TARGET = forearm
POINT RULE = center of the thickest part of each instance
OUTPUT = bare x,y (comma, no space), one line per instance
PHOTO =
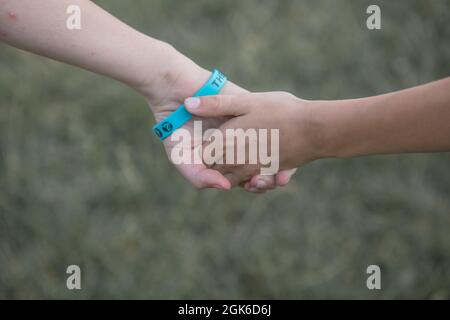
103,45
107,46
412,120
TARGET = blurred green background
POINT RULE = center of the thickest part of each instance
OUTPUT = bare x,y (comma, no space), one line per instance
83,180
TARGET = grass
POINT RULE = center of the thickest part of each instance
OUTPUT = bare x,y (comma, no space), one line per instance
83,181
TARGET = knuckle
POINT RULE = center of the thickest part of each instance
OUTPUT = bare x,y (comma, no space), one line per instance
216,102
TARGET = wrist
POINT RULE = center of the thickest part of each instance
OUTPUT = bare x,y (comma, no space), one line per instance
175,80
168,82
338,133
321,129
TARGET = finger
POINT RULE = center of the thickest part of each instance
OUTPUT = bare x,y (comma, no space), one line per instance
211,157
220,105
236,175
266,182
283,177
251,189
210,178
233,179
246,185
202,178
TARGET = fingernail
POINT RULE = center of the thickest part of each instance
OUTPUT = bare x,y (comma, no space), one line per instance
192,103
261,184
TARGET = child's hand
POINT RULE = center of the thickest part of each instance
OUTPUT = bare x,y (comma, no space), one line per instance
278,110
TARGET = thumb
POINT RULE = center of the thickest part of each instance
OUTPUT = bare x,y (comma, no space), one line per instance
216,106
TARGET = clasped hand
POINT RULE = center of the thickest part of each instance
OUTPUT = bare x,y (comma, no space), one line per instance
282,112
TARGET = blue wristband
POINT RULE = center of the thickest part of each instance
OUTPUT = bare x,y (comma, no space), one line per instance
178,118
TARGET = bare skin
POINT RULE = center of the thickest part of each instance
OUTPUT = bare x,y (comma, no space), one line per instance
107,46
414,120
